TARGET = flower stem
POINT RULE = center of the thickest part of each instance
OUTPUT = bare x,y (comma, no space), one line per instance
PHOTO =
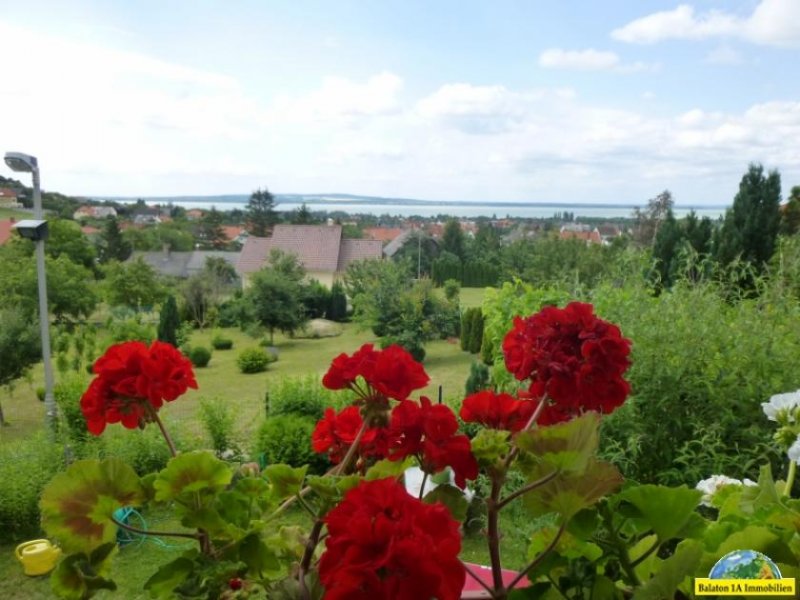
526,488
787,490
308,554
154,415
136,530
531,422
539,558
422,486
493,521
351,452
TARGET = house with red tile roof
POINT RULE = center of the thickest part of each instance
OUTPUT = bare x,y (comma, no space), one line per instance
321,250
384,234
576,231
8,198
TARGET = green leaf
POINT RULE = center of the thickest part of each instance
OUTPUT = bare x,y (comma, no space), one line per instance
209,519
569,493
604,589
490,445
762,495
77,504
168,577
663,509
190,474
452,497
258,557
567,545
388,468
80,577
672,572
286,481
566,446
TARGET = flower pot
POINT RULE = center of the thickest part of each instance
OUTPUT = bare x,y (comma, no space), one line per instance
473,590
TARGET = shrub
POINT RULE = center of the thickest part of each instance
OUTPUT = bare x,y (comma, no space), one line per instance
300,396
145,450
475,332
452,288
200,356
26,466
67,393
221,343
337,307
218,421
129,329
316,299
168,322
287,439
253,360
478,378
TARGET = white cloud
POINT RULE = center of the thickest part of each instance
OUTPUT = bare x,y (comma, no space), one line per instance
588,60
772,22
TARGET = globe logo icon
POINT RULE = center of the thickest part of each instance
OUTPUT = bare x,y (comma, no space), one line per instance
745,564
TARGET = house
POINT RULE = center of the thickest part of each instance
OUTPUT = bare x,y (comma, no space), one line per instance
235,233
321,250
384,234
6,229
578,231
194,214
146,219
182,264
608,231
394,246
8,198
94,212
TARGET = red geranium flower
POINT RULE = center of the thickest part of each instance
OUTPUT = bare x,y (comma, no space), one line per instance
384,544
572,358
429,431
335,433
132,379
497,411
388,373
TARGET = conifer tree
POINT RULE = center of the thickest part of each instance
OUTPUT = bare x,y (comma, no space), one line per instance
168,322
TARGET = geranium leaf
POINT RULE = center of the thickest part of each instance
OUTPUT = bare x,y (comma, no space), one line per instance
388,468
190,474
258,557
209,519
671,572
452,497
604,589
569,493
77,504
81,576
164,581
665,510
286,481
566,446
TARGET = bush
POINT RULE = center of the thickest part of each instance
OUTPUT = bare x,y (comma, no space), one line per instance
221,343
218,421
452,288
26,466
287,439
200,356
478,378
253,360
316,299
145,451
129,329
300,396
337,307
67,393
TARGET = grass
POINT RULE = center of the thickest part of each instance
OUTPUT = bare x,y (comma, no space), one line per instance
7,213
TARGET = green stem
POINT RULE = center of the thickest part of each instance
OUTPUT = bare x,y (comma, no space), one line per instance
493,522
526,488
136,530
156,419
787,490
422,486
531,422
539,558
619,545
308,554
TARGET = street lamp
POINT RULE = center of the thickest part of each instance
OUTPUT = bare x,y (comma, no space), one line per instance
37,230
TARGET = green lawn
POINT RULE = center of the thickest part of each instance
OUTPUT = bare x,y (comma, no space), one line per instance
7,213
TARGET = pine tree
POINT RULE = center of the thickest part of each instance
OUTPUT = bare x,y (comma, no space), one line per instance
302,216
168,322
453,238
476,331
667,243
211,229
790,216
751,224
466,329
337,309
260,213
112,245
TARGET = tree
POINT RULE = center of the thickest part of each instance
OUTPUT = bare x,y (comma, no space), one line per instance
337,308
169,321
112,245
751,224
260,212
699,233
287,264
666,245
790,216
134,284
65,238
211,230
647,220
276,301
19,346
453,238
302,216
204,291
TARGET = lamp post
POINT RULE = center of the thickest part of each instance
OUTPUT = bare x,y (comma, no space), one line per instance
24,163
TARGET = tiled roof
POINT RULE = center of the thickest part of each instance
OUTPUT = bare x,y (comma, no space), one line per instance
197,261
172,264
232,231
397,243
353,250
384,234
254,252
8,193
5,230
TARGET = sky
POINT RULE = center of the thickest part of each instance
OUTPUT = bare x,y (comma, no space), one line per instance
540,101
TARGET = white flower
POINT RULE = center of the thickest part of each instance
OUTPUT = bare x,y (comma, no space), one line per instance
711,486
779,402
794,451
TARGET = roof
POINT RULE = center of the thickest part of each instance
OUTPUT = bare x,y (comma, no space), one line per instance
351,251
397,243
317,247
5,230
8,193
89,230
232,231
182,264
384,234
587,236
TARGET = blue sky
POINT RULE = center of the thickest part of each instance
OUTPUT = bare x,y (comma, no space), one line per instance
569,101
